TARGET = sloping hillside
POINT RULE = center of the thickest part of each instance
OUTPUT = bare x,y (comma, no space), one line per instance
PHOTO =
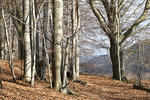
98,88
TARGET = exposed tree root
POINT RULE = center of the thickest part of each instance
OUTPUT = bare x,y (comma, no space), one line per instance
81,82
67,90
124,79
141,87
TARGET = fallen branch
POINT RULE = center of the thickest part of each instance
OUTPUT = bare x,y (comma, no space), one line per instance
141,87
81,82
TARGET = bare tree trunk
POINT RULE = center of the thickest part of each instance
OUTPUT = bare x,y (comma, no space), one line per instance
75,28
47,60
28,59
66,58
77,60
114,49
73,70
33,41
1,34
45,32
37,55
58,34
0,39
122,67
8,38
20,46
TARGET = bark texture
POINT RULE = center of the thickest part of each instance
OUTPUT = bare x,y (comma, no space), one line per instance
57,39
28,59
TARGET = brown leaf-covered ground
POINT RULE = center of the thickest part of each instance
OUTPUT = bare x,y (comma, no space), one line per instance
98,88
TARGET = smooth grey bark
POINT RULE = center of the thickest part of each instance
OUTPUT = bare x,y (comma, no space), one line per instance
9,46
33,21
122,67
66,63
75,29
77,60
28,59
73,70
57,39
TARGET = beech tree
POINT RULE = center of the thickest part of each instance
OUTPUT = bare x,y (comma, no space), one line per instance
110,23
75,29
57,39
27,40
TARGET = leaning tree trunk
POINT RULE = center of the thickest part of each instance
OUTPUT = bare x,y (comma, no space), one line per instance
57,39
28,59
115,58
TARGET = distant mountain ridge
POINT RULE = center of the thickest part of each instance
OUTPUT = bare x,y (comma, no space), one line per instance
102,64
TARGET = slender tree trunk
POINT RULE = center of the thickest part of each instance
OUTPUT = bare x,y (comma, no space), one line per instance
122,68
66,58
57,39
77,60
73,70
75,28
8,38
37,54
45,32
33,40
0,39
47,60
28,59
1,33
20,46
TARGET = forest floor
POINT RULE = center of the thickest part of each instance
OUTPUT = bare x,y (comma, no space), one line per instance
97,88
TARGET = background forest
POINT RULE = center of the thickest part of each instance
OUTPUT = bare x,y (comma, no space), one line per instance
92,49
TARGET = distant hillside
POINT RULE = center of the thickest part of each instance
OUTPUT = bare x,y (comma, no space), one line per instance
135,56
97,65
